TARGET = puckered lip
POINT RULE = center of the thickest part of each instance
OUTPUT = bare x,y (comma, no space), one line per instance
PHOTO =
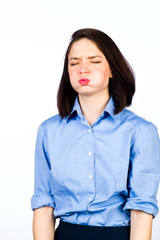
84,80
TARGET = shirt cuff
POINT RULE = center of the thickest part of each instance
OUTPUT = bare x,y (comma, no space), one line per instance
148,205
42,201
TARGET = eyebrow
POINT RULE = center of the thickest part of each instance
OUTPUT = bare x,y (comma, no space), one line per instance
90,57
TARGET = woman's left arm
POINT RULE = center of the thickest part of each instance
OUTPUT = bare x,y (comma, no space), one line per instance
143,181
141,225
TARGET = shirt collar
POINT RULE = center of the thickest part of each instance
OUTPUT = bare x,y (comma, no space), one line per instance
108,109
76,107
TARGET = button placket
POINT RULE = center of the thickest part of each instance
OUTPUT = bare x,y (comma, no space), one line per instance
91,183
89,153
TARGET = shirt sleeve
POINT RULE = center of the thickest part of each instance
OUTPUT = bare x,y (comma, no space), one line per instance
42,190
144,173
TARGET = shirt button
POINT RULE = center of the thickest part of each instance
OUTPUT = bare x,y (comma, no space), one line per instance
89,130
90,153
90,199
90,176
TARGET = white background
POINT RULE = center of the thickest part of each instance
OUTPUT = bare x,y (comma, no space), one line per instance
33,39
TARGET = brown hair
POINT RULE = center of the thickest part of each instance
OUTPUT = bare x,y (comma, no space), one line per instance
122,84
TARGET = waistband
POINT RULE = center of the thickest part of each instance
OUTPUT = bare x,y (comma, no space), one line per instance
74,225
69,231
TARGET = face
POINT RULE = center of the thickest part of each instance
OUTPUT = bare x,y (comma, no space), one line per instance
88,69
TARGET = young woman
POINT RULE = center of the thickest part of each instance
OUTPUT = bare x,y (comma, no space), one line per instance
97,164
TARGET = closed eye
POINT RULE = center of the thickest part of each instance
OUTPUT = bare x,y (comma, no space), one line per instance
96,62
72,64
76,63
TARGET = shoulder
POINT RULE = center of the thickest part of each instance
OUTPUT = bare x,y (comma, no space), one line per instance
136,121
138,125
52,123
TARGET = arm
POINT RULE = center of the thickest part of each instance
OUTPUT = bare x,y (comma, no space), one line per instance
43,224
42,201
143,181
141,225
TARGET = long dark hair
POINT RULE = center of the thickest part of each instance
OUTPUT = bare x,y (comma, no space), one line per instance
122,84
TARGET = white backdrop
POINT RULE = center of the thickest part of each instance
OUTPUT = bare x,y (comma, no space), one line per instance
34,35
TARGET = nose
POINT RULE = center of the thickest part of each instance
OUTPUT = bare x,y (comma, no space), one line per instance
84,68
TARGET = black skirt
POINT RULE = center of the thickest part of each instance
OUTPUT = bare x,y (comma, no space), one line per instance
70,231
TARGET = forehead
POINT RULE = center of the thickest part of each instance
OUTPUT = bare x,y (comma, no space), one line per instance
84,46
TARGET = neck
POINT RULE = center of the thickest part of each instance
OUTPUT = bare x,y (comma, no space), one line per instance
92,106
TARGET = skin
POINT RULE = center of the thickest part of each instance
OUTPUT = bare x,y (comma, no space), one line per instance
43,224
141,225
85,60
93,99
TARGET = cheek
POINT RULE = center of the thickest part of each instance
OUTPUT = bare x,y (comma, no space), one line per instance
103,73
72,78
102,78
71,72
106,74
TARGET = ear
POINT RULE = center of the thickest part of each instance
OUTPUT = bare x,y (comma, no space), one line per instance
110,75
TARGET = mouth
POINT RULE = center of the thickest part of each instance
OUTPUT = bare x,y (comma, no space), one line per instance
84,81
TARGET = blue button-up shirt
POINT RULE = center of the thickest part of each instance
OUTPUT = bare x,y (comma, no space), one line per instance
94,175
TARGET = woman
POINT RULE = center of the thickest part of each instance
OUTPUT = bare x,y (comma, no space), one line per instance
97,164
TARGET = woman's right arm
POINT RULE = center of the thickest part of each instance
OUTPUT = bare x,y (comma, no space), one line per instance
43,223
